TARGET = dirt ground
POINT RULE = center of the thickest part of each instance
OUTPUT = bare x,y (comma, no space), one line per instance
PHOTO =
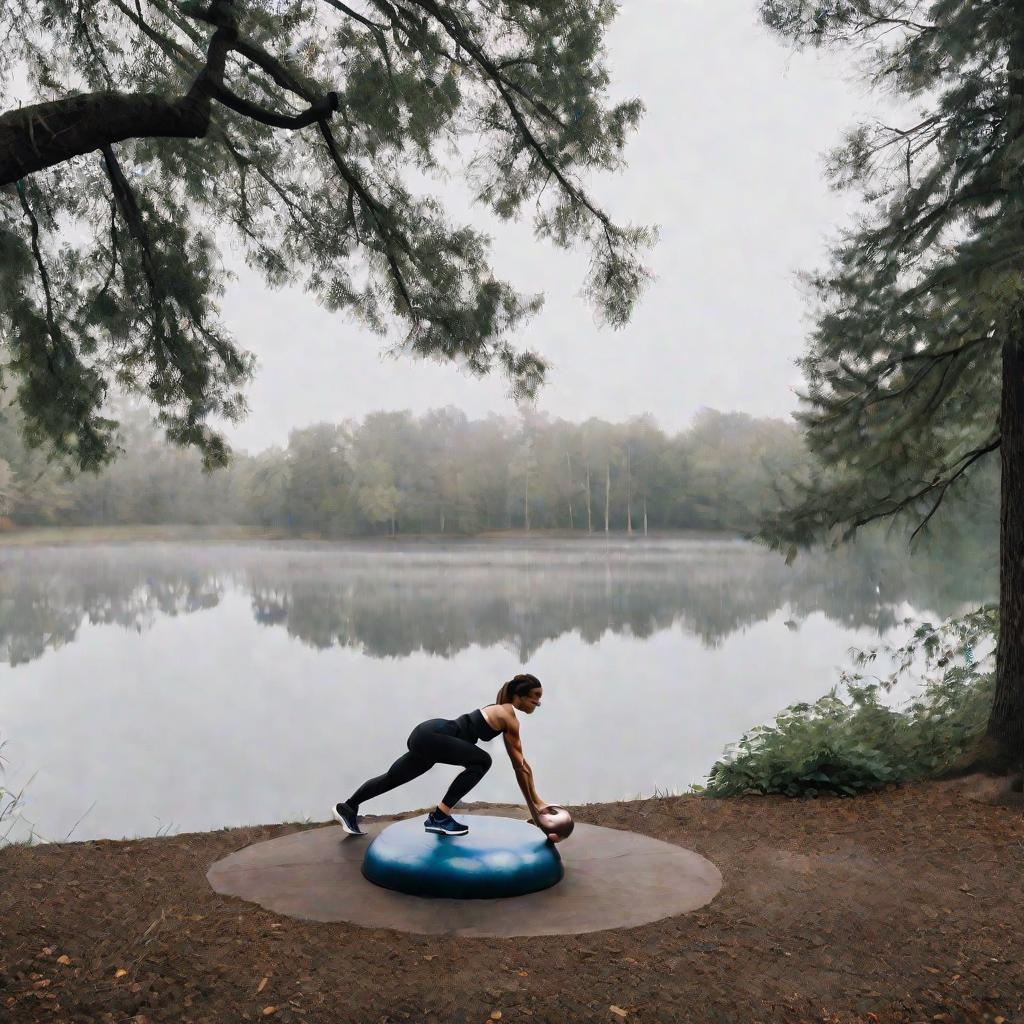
900,906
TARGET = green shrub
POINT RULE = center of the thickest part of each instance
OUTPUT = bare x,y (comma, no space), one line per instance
858,744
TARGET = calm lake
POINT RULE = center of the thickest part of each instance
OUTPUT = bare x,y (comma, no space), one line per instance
167,687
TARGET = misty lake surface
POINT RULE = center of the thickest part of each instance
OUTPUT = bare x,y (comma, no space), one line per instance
154,688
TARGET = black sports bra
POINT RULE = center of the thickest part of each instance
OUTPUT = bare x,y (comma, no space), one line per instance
472,726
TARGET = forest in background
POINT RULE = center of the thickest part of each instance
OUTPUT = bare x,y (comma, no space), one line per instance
437,473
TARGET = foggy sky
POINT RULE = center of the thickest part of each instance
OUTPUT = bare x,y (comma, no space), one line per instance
727,161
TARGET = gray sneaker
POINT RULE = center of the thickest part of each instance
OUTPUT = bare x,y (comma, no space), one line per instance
444,825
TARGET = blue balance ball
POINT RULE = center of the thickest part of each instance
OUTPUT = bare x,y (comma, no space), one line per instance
499,857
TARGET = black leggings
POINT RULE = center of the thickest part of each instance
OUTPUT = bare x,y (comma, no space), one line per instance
428,745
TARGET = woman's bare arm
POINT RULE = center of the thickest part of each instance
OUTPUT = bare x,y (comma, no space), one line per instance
524,774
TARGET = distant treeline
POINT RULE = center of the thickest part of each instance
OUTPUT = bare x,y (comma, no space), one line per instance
436,473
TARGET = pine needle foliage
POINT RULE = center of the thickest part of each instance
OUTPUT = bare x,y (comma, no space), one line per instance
854,745
902,369
292,129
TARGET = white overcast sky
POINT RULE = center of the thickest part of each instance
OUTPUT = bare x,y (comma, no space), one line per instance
727,161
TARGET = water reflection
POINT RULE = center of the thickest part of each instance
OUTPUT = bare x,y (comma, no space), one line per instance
395,600
199,686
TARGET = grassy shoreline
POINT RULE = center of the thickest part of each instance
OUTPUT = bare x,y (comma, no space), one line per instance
32,536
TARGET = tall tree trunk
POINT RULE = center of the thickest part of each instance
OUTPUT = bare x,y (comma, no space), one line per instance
590,521
526,503
1006,721
645,515
607,491
442,520
568,463
629,497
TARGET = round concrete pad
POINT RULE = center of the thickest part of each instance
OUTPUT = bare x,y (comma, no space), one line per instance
613,879
500,857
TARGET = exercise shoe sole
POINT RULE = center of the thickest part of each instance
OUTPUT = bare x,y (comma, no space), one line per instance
341,821
444,831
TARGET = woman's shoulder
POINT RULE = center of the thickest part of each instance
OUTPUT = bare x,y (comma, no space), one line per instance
501,714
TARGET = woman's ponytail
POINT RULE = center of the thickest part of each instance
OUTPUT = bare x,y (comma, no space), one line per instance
522,683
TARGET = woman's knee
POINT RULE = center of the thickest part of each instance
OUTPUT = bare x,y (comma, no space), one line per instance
482,762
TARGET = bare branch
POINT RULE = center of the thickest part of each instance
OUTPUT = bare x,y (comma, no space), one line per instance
319,111
129,207
945,485
376,213
44,277
939,482
45,134
356,16
872,383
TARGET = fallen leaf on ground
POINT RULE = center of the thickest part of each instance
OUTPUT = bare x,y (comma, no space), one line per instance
429,956
524,974
261,986
495,1014
64,959
618,1011
47,950
268,1010
120,972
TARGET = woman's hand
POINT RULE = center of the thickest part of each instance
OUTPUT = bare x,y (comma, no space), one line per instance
539,808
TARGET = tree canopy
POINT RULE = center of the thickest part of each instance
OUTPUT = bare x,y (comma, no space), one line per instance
162,128
902,368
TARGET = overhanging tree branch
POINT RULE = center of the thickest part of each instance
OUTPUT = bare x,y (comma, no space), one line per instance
940,482
158,70
377,215
44,278
45,134
458,33
318,111
946,483
129,208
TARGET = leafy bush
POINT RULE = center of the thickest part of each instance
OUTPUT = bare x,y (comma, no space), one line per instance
850,746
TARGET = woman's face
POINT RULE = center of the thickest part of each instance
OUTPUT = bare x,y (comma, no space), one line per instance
529,702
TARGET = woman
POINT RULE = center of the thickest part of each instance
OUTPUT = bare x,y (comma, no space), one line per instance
453,741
